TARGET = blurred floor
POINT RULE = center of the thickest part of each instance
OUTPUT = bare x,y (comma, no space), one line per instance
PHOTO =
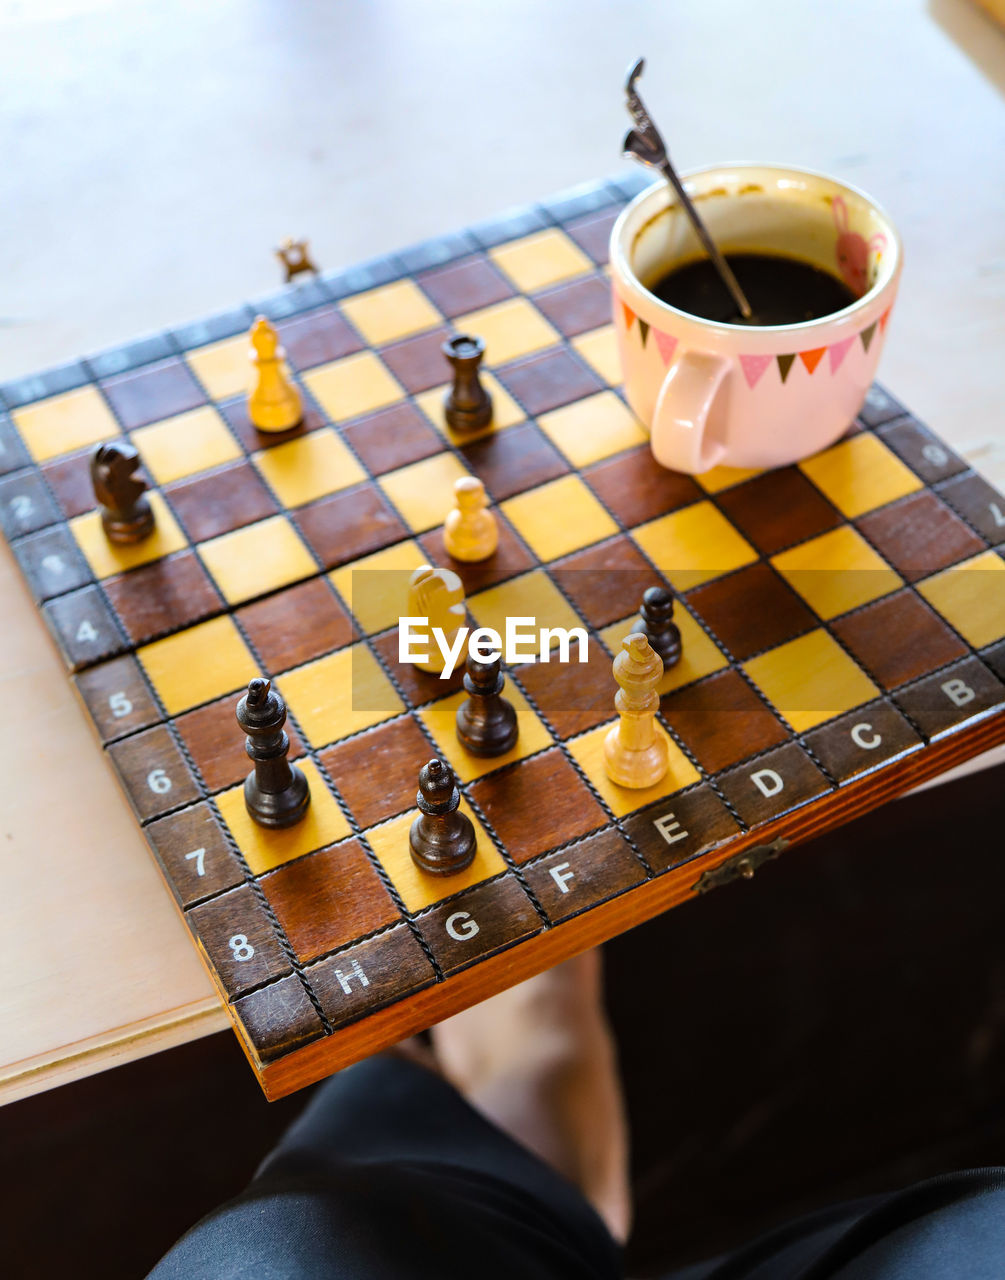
153,154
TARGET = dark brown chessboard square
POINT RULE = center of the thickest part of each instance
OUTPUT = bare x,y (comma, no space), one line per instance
509,558
221,501
118,698
577,307
163,596
919,535
593,233
978,502
465,286
478,923
155,392
392,438
879,406
952,696
512,461
722,721
546,381
236,414
195,854
607,581
216,744
13,454
376,771
537,804
752,610
296,625
898,639
349,524
779,509
863,739
84,627
583,874
995,658
418,363
154,773
677,829
418,687
572,697
370,975
25,504
635,488
52,563
239,939
773,784
329,899
69,479
926,455
318,338
279,1018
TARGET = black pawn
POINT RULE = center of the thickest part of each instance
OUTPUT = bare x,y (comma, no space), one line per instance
486,721
658,626
275,792
467,406
126,514
441,838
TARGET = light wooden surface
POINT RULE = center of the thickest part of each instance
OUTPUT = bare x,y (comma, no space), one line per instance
97,967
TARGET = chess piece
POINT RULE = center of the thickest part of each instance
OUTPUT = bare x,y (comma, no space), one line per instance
441,838
657,625
470,531
295,255
126,515
274,402
635,751
467,406
486,721
438,596
275,792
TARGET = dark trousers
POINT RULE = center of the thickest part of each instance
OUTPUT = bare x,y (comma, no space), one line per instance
390,1173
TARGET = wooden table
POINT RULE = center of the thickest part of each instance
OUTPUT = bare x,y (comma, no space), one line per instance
98,968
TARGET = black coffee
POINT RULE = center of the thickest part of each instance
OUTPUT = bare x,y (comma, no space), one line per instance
780,290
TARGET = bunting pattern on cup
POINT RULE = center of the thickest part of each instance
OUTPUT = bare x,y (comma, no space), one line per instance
754,367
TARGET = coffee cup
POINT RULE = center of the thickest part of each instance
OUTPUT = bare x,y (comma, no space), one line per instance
748,395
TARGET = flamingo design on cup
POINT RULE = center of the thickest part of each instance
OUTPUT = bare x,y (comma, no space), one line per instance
852,250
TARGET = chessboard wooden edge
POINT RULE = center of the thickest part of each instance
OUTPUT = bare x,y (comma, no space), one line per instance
598,924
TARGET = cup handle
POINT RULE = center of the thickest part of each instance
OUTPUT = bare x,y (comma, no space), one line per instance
680,420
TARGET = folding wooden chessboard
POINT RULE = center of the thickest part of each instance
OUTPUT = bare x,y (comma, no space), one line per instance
843,628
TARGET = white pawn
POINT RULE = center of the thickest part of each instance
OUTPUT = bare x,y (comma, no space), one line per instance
274,402
437,595
470,531
635,751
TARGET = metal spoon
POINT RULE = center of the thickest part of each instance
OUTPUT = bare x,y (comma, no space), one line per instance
645,143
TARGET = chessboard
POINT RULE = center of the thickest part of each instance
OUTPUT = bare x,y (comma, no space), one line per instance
843,627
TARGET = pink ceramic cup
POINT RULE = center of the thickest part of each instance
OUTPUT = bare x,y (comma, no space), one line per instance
744,396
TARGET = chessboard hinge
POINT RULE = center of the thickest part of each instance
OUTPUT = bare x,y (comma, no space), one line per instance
740,867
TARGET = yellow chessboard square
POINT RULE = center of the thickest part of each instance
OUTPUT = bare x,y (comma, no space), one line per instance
224,368
391,312
810,680
440,719
375,587
509,330
106,558
588,751
534,596
419,889
265,848
599,348
505,410
340,694
719,478
593,428
181,446
423,492
309,467
541,259
971,597
257,559
700,655
836,572
65,422
199,664
860,474
558,517
693,545
353,386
